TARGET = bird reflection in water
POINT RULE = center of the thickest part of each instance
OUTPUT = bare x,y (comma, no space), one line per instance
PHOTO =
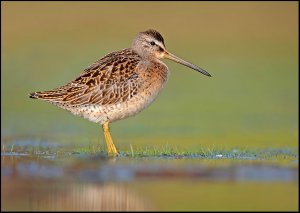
71,197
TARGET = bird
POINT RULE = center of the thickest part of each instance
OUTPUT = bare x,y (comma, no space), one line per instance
118,85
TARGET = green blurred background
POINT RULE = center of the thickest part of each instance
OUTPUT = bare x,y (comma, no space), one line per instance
250,48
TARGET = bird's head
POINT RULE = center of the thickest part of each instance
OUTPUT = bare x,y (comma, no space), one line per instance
150,44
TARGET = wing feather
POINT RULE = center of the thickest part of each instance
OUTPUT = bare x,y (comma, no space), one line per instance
112,79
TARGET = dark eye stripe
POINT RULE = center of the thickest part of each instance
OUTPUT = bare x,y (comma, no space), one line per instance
161,49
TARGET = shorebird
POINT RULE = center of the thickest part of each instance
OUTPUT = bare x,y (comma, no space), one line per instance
119,85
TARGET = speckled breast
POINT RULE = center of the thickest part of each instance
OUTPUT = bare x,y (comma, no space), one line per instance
152,79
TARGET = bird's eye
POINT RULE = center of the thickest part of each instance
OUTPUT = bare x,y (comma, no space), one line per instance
152,43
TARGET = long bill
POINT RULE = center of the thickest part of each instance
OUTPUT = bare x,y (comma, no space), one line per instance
185,63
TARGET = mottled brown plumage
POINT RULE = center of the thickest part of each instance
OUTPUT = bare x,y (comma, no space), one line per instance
118,85
110,80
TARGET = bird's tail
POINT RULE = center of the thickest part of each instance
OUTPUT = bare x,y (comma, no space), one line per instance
33,95
47,95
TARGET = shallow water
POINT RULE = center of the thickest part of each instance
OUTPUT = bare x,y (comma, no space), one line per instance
44,180
101,168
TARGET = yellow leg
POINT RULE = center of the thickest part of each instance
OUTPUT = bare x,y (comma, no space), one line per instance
111,149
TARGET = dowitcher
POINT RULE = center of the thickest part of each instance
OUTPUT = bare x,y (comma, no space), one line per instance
119,85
